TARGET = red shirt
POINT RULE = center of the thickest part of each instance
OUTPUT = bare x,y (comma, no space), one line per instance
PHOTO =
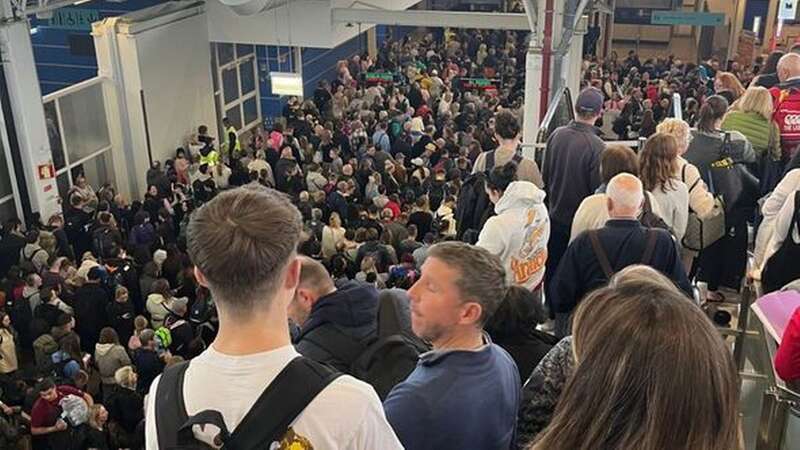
44,413
787,360
394,207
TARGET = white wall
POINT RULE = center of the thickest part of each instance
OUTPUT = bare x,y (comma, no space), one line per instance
301,23
167,61
175,69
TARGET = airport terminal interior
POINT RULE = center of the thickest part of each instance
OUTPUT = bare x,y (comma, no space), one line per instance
388,224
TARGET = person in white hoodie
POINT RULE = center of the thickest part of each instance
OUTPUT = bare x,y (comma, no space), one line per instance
519,232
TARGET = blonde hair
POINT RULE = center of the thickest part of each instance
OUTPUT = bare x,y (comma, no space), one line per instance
121,291
678,129
756,99
729,82
126,377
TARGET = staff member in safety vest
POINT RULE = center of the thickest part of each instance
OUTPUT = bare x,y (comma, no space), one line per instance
231,135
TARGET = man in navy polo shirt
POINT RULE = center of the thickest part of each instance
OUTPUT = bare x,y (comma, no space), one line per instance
466,392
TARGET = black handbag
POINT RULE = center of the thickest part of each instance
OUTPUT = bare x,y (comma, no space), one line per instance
732,180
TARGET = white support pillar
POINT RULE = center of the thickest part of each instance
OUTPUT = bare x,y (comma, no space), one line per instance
534,61
533,95
573,66
16,53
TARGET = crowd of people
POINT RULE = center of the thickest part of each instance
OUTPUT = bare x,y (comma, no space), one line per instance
385,269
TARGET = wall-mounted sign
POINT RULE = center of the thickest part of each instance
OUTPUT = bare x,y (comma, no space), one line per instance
286,83
46,171
700,19
787,10
74,18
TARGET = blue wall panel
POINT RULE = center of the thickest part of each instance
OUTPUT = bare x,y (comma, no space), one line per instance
64,54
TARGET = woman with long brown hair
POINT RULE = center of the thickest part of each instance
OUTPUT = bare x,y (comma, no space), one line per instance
658,162
668,380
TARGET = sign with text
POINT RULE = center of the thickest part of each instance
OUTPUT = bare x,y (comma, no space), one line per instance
787,10
480,84
74,18
379,78
700,19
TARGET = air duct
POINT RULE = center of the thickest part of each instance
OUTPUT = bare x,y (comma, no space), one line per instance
251,7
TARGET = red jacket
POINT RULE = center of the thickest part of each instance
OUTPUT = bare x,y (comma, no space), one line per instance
787,360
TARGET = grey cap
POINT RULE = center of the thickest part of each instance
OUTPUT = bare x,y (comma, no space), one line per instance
590,101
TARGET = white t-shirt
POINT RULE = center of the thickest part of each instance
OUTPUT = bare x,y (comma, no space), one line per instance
345,415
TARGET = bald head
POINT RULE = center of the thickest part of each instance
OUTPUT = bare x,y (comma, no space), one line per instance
625,196
789,66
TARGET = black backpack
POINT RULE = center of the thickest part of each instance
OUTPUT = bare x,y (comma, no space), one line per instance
103,243
266,423
385,360
474,207
782,268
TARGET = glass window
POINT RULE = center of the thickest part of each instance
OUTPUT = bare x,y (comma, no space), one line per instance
84,119
247,74
250,110
98,171
225,53
230,85
214,74
54,135
62,181
8,210
244,50
235,116
5,176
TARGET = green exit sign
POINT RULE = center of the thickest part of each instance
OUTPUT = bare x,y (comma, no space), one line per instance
74,18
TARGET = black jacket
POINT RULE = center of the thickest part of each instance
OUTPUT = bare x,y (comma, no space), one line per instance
148,367
624,241
126,407
571,169
10,246
526,349
120,318
90,314
352,309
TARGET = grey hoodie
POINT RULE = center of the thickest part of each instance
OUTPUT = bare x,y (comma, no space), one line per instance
109,358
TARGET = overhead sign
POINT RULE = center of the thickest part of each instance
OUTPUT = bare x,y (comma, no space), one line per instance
480,84
787,10
379,78
74,18
700,19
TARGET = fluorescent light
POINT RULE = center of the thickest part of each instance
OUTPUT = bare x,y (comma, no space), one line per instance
34,30
286,83
756,24
81,2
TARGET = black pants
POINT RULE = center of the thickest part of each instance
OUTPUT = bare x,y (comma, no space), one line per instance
556,247
724,262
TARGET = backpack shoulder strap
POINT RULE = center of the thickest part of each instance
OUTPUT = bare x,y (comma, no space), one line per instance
170,406
797,211
601,255
489,163
335,342
652,238
297,385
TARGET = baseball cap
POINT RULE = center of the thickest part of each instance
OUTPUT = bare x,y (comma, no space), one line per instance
590,101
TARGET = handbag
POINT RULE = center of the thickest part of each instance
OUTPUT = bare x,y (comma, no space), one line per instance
732,181
702,232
